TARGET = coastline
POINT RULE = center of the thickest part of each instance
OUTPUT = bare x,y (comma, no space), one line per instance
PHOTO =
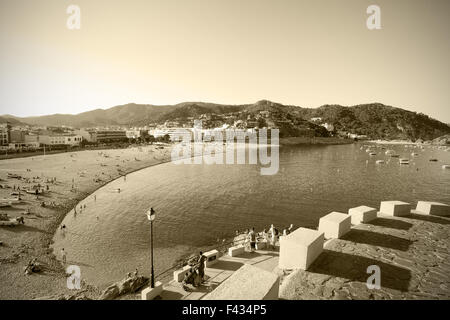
36,237
394,142
32,240
314,140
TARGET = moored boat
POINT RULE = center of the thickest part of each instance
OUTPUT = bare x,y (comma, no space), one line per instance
391,153
404,161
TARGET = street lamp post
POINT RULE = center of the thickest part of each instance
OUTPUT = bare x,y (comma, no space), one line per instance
151,217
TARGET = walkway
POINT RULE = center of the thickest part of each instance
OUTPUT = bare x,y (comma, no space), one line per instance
219,272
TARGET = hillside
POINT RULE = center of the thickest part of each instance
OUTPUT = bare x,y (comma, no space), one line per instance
380,121
12,120
375,120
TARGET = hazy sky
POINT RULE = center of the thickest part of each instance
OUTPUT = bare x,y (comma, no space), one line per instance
305,53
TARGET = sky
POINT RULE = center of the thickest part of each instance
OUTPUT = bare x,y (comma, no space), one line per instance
305,53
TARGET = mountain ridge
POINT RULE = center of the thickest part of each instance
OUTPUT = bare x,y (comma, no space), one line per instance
375,120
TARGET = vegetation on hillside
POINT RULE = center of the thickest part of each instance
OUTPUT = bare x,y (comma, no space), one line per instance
376,121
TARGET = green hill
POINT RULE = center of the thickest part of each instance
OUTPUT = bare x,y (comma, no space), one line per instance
376,120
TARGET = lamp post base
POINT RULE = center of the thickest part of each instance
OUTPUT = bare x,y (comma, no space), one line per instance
151,293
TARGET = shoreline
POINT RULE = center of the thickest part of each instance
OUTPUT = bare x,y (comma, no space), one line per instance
394,142
15,262
42,241
290,141
23,243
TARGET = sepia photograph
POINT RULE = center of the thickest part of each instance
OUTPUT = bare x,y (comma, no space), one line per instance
224,150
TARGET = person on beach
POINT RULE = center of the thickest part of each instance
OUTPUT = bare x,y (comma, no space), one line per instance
265,236
246,240
188,279
272,236
252,238
63,256
291,228
201,267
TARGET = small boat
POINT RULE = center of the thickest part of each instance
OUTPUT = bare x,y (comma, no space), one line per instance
414,154
404,161
379,161
446,166
395,156
433,160
372,154
14,176
390,153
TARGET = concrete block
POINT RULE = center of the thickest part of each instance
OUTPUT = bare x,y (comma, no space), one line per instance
395,208
178,275
433,208
235,251
335,224
211,257
247,283
151,293
299,249
362,214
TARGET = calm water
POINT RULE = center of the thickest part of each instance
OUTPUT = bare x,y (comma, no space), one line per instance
198,204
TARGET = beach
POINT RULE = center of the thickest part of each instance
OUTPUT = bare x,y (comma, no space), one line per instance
77,174
80,176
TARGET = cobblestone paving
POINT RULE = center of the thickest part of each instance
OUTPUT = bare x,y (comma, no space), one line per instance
412,253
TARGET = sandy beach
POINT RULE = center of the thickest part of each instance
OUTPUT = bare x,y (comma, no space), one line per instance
77,175
394,142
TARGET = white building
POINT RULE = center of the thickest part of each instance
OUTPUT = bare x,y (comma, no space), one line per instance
88,135
176,134
68,139
328,126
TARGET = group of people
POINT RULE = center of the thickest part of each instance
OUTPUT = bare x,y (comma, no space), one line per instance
196,273
269,236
